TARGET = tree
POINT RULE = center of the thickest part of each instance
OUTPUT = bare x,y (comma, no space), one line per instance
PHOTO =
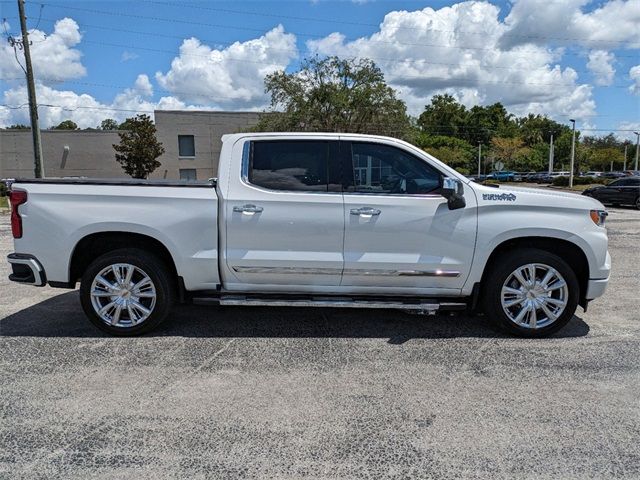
510,151
454,152
443,116
139,148
538,129
66,125
108,124
334,95
19,126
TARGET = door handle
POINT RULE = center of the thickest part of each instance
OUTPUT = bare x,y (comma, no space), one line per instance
249,209
366,212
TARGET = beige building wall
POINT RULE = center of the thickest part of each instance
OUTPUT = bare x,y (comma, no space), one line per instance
207,128
77,153
89,153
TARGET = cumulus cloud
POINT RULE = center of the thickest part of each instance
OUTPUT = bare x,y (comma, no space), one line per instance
634,74
53,56
83,109
614,24
600,64
457,50
230,78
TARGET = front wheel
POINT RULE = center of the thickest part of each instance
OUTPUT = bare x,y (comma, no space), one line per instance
126,292
531,293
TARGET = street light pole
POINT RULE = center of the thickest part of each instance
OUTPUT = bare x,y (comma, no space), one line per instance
573,152
637,147
479,156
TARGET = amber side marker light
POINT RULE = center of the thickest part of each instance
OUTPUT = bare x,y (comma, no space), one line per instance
598,217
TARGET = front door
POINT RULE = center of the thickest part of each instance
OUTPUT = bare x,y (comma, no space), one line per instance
400,236
284,216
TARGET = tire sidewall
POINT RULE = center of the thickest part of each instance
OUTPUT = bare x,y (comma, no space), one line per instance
504,266
152,266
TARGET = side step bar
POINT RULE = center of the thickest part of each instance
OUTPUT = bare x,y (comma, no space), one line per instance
428,306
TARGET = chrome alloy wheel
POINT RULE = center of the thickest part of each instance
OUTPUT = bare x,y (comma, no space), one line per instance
123,295
534,295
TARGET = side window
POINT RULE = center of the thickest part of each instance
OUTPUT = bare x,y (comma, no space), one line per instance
294,165
186,146
384,169
617,183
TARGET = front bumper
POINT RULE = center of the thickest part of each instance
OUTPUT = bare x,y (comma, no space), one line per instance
26,269
597,286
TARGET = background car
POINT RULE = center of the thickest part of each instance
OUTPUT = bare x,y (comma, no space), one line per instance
624,191
613,175
503,176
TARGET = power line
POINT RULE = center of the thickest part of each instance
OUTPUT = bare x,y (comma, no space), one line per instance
209,112
261,30
345,22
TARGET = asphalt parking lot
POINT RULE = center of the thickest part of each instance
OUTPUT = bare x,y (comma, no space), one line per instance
318,393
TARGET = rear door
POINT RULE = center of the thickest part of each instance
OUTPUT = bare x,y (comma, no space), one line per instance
284,216
400,235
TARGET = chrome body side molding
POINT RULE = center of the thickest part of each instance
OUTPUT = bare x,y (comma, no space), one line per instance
349,271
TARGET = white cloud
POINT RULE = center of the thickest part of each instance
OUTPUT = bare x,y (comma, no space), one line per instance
127,55
83,109
634,74
230,78
457,50
53,56
614,24
600,64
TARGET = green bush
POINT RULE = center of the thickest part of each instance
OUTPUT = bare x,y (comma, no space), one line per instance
3,189
564,181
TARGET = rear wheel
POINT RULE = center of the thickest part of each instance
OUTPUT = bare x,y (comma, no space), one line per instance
531,293
637,203
127,292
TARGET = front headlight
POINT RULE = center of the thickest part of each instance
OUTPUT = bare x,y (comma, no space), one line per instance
598,217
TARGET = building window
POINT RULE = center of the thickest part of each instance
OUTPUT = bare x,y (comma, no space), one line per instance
186,146
188,174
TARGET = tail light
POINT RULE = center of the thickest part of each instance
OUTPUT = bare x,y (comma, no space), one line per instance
16,198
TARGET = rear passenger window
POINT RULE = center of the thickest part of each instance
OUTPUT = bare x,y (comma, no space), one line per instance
289,165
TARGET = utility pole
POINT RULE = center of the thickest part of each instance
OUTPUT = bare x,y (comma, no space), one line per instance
31,87
551,153
573,153
479,157
637,147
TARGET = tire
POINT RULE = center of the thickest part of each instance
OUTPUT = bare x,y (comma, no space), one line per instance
137,310
504,309
637,203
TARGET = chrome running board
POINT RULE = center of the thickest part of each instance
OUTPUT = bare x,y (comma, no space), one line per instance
424,306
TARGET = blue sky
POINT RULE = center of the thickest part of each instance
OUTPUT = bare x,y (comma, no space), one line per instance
108,59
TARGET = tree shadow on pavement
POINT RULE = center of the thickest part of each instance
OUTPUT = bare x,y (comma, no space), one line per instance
62,316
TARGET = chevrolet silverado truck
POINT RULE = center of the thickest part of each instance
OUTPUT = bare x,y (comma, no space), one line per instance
312,220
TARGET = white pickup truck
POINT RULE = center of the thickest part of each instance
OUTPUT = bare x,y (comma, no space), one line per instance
327,220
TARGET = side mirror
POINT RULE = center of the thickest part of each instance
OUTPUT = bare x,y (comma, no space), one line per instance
453,190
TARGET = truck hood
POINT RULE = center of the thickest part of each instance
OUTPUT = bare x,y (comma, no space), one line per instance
534,197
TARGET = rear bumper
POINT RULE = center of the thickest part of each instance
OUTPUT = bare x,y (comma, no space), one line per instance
26,269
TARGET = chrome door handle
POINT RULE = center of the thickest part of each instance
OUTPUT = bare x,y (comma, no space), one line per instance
248,209
365,211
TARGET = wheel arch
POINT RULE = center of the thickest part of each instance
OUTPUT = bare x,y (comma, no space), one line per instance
565,249
95,244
